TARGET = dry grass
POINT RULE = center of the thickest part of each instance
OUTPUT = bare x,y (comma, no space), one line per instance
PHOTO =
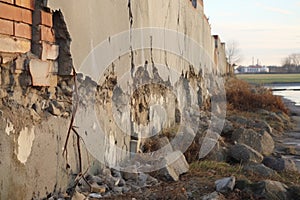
245,97
220,169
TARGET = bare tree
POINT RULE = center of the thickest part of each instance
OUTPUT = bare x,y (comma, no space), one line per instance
292,60
295,57
286,61
233,52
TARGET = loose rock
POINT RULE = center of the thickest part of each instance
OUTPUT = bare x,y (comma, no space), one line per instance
225,185
260,141
280,164
270,190
263,125
244,153
259,169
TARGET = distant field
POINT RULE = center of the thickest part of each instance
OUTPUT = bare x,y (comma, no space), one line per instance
270,78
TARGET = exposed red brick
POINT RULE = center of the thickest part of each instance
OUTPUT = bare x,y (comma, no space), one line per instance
6,27
47,34
46,18
8,11
26,16
26,4
12,12
22,30
7,1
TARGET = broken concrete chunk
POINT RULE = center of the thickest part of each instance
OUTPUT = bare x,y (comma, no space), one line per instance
55,108
49,51
225,185
66,89
129,175
126,189
95,195
34,115
112,181
20,63
95,179
116,173
41,73
118,190
175,165
97,188
170,174
106,172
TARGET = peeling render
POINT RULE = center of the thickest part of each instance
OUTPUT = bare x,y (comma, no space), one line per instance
25,141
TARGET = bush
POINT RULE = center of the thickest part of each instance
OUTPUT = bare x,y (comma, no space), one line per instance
245,97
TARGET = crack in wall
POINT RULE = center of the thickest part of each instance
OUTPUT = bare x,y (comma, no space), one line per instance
130,13
151,50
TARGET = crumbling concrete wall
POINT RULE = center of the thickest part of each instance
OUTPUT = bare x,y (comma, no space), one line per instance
102,24
139,94
220,58
106,18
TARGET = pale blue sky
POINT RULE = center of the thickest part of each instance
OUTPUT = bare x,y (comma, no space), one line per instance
264,29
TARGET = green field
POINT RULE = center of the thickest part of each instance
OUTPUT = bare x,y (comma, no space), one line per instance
270,78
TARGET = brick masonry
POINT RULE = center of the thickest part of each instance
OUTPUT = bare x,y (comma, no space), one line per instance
22,30
8,1
47,34
26,16
16,19
29,4
46,18
26,27
14,13
6,27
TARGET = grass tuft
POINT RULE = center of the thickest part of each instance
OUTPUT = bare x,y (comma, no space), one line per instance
217,170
